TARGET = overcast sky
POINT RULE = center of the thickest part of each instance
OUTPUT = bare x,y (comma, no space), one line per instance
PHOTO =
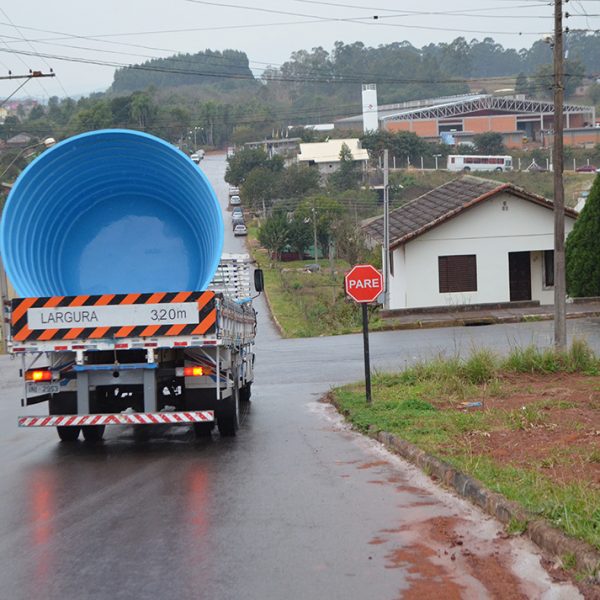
267,30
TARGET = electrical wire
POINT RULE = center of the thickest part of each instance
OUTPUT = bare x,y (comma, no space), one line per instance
367,20
13,93
331,79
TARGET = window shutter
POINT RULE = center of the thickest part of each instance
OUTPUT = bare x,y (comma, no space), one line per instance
457,273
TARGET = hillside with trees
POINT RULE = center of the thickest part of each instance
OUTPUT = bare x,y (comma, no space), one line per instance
213,98
226,71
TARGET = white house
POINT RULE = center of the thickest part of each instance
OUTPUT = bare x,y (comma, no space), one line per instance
471,241
326,155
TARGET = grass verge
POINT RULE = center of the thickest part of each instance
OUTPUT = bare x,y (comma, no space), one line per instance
308,303
525,426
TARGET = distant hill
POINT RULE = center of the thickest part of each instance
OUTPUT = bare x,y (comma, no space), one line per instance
228,69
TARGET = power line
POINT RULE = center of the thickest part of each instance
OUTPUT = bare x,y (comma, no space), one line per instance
366,20
449,13
330,79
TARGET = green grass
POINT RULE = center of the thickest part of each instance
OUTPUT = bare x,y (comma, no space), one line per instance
419,404
308,304
516,527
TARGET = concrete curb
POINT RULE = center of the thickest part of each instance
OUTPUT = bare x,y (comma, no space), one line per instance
483,320
273,317
539,531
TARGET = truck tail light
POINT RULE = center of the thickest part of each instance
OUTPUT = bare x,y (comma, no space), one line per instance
193,371
38,375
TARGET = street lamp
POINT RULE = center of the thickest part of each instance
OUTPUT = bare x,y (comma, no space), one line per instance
195,141
48,142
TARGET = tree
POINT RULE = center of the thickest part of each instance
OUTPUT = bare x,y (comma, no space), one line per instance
594,93
326,211
9,127
347,176
582,250
37,112
299,234
349,240
260,187
274,234
242,162
489,142
544,78
97,116
408,145
521,84
142,109
298,180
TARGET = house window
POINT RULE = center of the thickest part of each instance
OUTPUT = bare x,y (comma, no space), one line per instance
458,273
548,268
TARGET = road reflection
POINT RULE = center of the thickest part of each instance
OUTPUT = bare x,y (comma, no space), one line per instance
114,510
42,510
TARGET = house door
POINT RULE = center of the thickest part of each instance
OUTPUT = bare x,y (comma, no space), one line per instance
519,275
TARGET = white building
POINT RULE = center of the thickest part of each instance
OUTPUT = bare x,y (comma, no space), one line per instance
326,155
471,241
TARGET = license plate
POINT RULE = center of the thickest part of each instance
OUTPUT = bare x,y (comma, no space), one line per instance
42,388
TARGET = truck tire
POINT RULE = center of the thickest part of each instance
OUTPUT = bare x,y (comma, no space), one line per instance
246,392
228,414
203,430
68,434
65,403
93,433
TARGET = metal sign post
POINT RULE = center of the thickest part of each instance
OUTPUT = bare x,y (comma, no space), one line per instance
365,323
364,284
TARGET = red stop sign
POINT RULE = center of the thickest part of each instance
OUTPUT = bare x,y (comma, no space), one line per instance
364,283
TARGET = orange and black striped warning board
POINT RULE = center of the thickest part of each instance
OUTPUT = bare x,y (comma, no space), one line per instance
111,316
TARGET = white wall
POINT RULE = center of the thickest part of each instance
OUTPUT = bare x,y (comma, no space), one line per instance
490,230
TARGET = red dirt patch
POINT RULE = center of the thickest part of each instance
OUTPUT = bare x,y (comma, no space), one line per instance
427,580
375,463
549,422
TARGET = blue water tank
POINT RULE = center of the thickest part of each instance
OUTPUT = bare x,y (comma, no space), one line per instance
111,211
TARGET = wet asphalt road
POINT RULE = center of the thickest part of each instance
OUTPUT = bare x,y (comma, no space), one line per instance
296,506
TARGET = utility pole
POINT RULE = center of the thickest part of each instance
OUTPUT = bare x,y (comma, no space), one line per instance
560,321
314,215
386,231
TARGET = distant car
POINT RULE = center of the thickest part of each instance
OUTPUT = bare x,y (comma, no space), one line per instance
240,230
237,221
197,156
586,169
235,200
237,213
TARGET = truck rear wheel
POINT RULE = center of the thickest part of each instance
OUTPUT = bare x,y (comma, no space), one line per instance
68,434
93,433
203,430
246,392
228,414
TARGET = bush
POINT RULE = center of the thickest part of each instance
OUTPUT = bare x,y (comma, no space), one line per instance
583,249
